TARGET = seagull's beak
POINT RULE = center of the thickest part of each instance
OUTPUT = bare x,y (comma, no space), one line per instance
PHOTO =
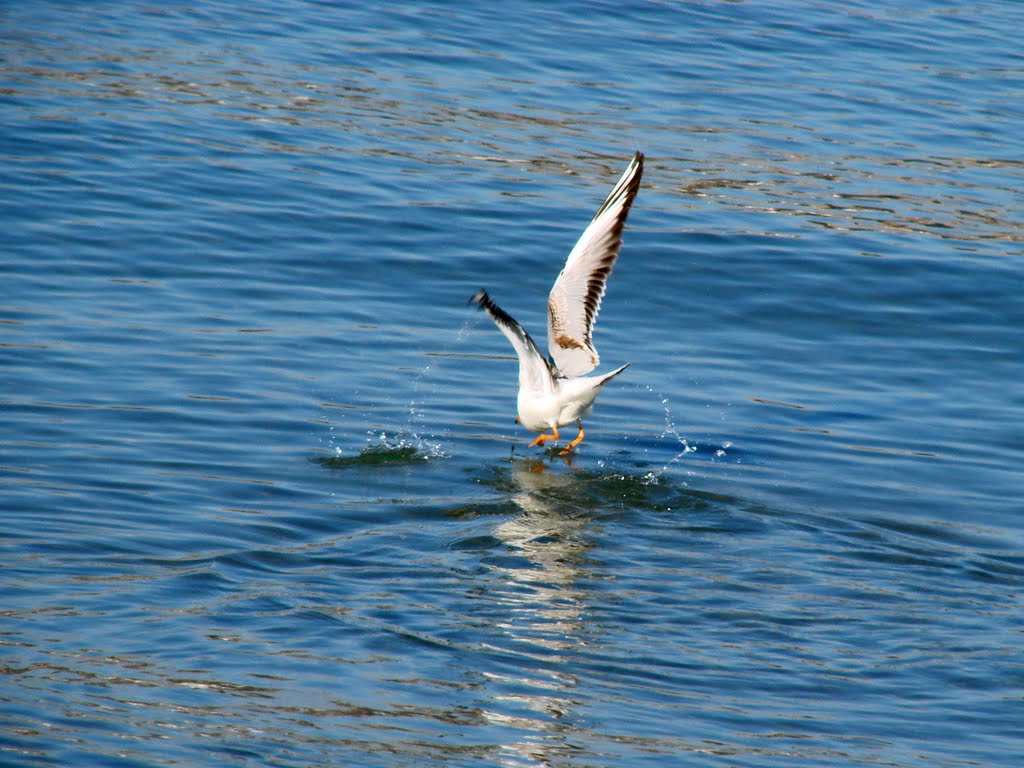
517,419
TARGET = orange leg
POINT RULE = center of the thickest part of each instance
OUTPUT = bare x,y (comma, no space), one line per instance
541,439
575,442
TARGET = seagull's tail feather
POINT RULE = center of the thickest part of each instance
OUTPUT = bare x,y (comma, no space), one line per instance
609,376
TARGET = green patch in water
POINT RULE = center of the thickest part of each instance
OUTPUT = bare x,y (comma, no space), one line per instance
375,455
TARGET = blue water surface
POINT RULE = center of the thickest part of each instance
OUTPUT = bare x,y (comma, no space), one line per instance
262,498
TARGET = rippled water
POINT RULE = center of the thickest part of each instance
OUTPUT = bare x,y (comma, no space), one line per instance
263,500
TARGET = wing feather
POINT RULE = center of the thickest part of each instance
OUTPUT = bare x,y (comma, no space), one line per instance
535,371
575,298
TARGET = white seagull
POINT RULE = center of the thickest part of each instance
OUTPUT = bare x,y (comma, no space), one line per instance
554,391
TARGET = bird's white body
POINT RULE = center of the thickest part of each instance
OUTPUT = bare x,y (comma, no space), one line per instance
567,402
555,391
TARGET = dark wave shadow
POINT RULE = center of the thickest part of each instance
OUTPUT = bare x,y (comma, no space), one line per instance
376,455
535,485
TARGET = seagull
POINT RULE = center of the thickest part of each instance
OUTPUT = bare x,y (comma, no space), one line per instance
555,391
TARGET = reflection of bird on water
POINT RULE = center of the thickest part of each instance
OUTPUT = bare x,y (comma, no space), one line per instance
539,612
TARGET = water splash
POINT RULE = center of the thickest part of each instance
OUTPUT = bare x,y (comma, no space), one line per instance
416,418
670,431
375,454
412,439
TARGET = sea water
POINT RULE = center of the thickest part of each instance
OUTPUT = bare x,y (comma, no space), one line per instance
263,498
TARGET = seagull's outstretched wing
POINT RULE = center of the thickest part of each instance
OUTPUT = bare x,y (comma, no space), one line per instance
576,296
535,372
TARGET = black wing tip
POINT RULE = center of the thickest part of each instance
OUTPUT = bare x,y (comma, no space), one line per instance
638,161
483,300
